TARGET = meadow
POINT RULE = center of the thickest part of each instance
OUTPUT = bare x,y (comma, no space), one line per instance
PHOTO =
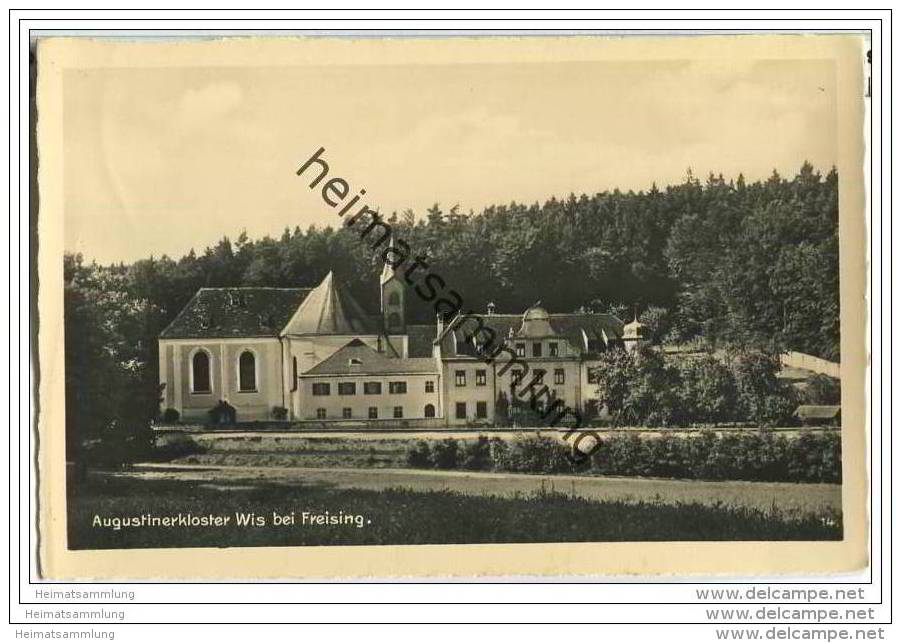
754,455
408,516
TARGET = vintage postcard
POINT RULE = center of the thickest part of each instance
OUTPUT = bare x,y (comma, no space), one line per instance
346,307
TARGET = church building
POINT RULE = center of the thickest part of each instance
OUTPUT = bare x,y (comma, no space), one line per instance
314,357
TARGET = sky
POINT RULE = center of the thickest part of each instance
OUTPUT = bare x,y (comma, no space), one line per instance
162,160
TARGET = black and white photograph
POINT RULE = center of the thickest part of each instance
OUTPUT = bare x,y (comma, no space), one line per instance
395,293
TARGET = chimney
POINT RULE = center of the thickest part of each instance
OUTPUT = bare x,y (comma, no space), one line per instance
440,325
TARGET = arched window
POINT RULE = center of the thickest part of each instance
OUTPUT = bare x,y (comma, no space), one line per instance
394,299
394,321
200,373
247,372
429,411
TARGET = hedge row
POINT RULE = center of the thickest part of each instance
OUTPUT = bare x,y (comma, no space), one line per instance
748,455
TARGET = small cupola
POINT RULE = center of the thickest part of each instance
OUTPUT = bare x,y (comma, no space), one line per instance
536,323
634,330
635,333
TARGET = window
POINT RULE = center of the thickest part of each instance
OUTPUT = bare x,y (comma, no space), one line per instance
481,409
294,373
373,413
247,372
553,349
347,388
461,410
321,388
200,373
320,414
429,411
372,388
347,413
559,376
394,321
429,386
520,350
481,378
394,299
398,411
538,378
397,388
516,376
536,349
460,378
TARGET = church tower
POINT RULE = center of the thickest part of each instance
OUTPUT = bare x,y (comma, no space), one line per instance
393,294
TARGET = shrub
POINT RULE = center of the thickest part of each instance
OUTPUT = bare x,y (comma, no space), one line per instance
502,410
747,455
419,455
222,413
279,413
169,446
667,457
759,455
762,397
708,393
499,453
778,409
477,455
816,457
445,454
621,455
171,416
537,454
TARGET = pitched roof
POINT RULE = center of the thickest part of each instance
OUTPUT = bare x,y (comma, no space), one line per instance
420,338
357,358
330,310
817,412
236,312
587,333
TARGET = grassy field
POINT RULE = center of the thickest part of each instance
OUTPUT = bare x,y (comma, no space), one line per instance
786,496
407,516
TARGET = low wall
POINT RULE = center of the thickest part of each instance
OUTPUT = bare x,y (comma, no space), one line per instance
318,426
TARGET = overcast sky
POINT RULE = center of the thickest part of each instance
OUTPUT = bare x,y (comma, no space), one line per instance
159,161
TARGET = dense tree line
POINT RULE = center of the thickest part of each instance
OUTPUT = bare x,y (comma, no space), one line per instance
734,263
644,388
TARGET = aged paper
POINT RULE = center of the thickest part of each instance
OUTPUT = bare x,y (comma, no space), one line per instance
118,190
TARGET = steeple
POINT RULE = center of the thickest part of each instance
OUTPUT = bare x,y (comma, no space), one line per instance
388,272
393,295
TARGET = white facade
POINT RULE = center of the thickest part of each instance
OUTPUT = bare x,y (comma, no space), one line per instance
325,360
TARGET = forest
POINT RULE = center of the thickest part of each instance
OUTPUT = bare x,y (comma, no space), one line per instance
725,262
